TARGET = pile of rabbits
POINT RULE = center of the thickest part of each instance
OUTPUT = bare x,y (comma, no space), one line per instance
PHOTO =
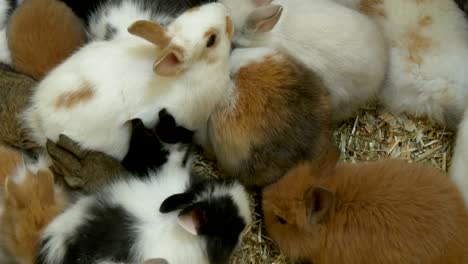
260,86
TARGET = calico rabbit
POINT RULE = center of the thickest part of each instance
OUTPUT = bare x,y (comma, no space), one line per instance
199,220
388,211
87,99
345,48
428,45
42,34
276,115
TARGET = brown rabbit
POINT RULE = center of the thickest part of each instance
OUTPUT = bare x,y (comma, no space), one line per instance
278,113
10,160
42,34
15,91
30,202
382,212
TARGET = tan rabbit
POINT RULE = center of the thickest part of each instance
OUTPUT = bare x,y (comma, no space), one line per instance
42,34
30,201
382,212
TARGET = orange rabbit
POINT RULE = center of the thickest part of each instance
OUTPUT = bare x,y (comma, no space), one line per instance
42,34
30,202
382,212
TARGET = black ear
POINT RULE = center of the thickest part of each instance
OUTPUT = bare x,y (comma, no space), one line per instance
176,202
169,132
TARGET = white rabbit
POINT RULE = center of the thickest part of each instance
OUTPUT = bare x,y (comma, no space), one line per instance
169,214
428,42
92,95
459,169
341,45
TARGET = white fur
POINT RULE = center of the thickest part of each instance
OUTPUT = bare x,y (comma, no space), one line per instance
459,168
4,7
121,74
241,57
63,227
5,55
159,235
438,86
120,16
341,45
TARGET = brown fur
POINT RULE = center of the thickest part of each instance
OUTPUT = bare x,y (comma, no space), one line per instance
372,8
29,207
229,27
42,34
9,161
193,9
15,92
280,116
417,43
151,31
379,212
69,99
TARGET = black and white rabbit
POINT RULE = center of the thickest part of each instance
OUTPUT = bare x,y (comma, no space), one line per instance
106,18
199,220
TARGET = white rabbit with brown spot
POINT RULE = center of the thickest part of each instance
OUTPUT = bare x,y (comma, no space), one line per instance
92,95
341,45
428,42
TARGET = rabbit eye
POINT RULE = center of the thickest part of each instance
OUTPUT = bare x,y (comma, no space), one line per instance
211,41
281,220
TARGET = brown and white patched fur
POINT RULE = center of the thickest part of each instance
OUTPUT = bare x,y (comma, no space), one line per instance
341,45
385,212
428,42
277,114
92,95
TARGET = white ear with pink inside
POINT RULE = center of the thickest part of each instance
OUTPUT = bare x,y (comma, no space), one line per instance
191,221
264,18
171,63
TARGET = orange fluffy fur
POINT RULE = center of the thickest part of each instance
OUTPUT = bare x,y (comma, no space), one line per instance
28,206
42,34
381,212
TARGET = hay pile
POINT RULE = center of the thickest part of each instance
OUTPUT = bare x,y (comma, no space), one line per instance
371,135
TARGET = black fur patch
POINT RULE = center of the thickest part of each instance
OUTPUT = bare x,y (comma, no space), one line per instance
107,235
110,32
146,152
222,228
12,4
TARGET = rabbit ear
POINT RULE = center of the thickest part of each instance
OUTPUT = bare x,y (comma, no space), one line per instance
171,63
151,31
191,220
262,2
176,202
318,202
45,186
264,18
